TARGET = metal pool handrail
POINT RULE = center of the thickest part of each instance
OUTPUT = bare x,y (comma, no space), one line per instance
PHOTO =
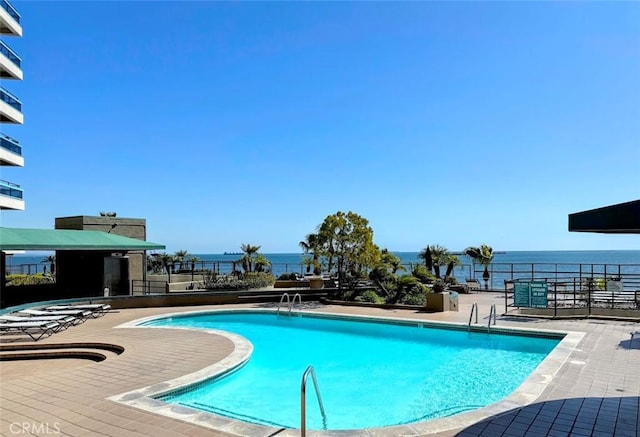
492,313
293,302
303,401
474,309
281,300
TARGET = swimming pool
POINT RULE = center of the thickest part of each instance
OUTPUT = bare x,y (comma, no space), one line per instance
370,374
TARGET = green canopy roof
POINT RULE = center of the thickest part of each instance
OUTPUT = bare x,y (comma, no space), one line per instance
64,239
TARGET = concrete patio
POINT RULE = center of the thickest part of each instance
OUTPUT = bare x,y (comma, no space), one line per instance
595,392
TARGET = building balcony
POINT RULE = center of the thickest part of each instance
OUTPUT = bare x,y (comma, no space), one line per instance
9,20
10,63
11,196
10,108
10,152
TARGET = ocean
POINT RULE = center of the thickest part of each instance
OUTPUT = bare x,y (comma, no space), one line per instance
547,265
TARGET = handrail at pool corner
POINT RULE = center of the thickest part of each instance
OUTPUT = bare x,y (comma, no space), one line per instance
281,300
293,302
474,307
492,313
303,401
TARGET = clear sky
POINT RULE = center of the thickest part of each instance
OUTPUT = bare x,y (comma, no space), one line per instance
222,123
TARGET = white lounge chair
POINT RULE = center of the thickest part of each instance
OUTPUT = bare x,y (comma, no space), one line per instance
97,310
64,321
81,314
35,330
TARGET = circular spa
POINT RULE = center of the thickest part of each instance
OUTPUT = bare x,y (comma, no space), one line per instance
369,373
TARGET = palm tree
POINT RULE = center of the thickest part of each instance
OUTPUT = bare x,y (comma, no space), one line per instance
168,261
192,260
180,256
51,259
482,255
248,259
311,244
440,256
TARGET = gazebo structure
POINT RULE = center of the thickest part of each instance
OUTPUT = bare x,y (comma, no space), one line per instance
87,262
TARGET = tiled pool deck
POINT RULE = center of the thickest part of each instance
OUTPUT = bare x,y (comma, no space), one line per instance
596,392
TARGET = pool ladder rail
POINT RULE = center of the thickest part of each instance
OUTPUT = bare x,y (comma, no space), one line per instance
290,302
303,401
492,315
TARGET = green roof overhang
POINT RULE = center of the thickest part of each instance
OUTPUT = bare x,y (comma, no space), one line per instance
64,239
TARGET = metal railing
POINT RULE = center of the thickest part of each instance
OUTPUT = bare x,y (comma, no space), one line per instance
10,54
139,287
303,401
583,296
10,189
4,4
8,143
10,99
285,295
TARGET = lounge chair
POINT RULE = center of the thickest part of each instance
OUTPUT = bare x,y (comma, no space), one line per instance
97,310
80,314
64,321
634,334
473,285
35,330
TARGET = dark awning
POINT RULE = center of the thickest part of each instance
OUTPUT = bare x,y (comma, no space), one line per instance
64,239
623,218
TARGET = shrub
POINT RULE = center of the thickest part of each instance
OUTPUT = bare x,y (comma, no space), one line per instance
37,279
242,282
370,296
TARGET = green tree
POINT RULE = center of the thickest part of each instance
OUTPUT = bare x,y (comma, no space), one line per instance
348,238
482,255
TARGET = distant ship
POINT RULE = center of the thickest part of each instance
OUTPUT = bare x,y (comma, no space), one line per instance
233,253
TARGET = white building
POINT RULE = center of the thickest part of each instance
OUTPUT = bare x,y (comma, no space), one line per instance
11,195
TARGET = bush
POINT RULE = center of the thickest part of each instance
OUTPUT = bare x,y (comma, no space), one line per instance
242,282
37,279
370,296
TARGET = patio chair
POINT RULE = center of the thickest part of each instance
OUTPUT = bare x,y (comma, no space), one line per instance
97,310
472,285
80,314
35,330
64,321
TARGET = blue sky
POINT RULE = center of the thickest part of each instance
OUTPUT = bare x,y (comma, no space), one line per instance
222,123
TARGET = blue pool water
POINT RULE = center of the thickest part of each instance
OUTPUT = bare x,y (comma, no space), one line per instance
369,374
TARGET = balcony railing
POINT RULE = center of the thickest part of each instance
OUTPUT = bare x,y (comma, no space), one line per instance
10,99
10,54
10,189
8,143
4,4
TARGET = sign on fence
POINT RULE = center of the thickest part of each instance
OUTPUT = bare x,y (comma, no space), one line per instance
530,294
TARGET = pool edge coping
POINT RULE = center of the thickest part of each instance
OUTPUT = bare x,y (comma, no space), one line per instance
145,398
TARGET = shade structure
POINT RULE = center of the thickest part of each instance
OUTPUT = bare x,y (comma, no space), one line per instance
622,218
63,239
